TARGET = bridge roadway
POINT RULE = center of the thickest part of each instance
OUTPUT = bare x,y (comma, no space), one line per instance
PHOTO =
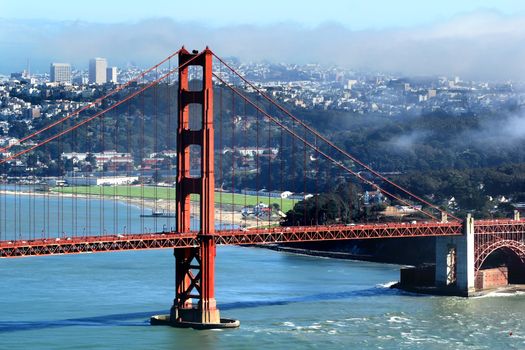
162,240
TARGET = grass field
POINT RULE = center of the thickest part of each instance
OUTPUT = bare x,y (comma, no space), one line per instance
167,193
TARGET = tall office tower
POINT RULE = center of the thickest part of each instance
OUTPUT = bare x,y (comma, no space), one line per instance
111,75
60,72
97,70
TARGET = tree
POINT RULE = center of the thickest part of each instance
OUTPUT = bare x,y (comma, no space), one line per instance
18,129
90,158
321,209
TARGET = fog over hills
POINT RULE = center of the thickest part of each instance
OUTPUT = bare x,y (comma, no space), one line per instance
481,45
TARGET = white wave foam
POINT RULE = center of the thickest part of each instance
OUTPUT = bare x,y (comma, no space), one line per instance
501,294
386,285
398,319
315,326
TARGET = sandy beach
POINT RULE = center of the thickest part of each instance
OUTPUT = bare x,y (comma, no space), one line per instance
225,214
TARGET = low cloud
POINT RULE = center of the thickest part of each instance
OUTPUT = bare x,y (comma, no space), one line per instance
407,142
498,133
481,45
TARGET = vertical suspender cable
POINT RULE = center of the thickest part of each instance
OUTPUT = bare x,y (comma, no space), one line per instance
304,181
155,151
244,156
281,157
169,148
142,116
117,169
233,160
315,156
257,158
270,187
221,177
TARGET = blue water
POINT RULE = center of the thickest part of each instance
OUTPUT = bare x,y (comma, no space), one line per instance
34,215
284,301
37,216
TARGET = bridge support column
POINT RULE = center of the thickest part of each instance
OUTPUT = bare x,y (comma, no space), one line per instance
194,305
455,271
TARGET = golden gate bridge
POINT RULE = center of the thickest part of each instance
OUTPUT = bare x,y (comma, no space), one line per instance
198,227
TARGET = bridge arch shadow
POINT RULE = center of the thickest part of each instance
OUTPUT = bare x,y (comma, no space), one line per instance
509,253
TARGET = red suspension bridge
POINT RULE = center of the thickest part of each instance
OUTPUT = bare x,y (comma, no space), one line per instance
259,144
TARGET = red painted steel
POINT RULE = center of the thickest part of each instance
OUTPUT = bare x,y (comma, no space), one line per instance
489,236
337,232
482,251
195,268
492,235
94,244
109,243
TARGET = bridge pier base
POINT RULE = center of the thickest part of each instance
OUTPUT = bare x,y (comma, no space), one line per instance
455,269
195,305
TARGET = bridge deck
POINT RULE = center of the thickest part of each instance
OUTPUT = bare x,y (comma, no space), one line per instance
118,242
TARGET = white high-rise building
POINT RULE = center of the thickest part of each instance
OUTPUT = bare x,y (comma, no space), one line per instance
111,75
97,70
60,72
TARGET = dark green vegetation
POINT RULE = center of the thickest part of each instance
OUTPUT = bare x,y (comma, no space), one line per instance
464,163
471,158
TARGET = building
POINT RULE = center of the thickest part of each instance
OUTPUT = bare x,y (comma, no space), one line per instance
8,141
113,160
60,73
97,70
109,160
31,113
350,84
100,181
111,75
80,80
253,151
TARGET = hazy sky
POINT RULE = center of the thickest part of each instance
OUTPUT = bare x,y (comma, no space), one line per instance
353,14
472,38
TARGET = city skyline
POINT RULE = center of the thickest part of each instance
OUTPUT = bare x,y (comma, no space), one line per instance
475,40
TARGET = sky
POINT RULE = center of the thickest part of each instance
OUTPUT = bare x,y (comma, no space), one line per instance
353,14
481,39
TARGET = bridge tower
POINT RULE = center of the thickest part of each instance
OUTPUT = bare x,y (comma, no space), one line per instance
194,305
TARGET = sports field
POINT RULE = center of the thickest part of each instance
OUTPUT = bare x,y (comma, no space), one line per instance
168,193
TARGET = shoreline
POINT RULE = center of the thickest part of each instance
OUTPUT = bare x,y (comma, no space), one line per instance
222,215
510,289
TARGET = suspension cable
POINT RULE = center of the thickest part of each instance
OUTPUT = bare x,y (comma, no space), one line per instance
323,153
330,143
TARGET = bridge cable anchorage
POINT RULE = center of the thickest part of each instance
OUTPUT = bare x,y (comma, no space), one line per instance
323,153
330,143
97,115
92,104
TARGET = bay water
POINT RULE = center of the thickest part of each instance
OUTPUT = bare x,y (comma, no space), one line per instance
284,301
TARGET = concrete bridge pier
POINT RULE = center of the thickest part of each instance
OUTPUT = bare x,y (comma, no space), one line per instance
455,270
